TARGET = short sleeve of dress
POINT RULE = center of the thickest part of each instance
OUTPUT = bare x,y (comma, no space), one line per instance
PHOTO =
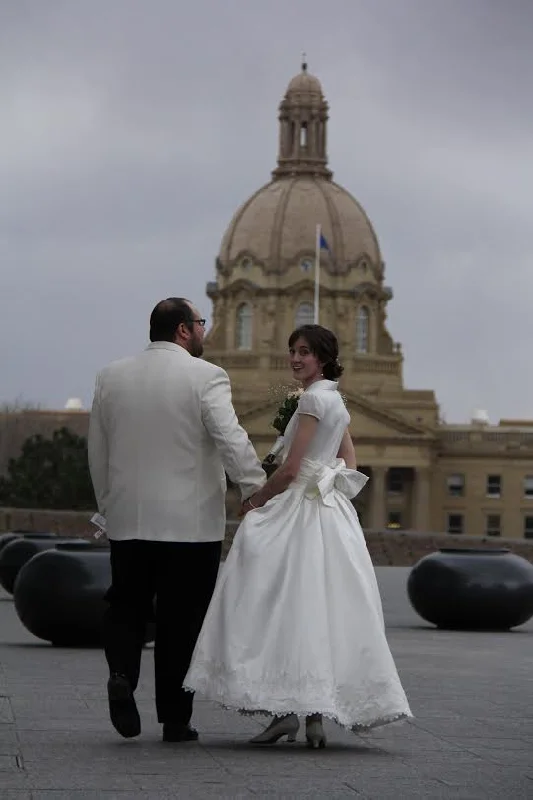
310,403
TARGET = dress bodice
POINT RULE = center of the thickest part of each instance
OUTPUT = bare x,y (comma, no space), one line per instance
323,401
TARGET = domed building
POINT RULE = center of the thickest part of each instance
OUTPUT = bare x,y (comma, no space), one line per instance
424,475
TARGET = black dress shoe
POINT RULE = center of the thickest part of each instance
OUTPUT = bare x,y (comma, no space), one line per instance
122,706
173,732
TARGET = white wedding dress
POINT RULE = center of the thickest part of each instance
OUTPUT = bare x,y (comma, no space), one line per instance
295,624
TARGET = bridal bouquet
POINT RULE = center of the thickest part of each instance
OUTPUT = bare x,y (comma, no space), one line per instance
285,412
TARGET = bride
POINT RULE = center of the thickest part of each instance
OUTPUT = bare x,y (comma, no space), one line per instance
295,626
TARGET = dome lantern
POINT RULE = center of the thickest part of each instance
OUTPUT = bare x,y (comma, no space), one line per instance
303,116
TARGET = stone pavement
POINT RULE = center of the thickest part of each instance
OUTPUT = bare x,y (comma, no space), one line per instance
472,737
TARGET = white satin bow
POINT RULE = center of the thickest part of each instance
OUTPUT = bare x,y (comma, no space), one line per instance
322,480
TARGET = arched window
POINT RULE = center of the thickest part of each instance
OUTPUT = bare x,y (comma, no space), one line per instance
244,327
305,314
362,330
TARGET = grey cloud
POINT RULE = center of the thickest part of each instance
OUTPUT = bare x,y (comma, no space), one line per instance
132,131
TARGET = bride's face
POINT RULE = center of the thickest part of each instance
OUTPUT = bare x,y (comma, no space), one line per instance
305,366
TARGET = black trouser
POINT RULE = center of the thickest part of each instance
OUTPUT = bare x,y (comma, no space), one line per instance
181,576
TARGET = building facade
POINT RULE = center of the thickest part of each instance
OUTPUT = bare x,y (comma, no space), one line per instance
425,475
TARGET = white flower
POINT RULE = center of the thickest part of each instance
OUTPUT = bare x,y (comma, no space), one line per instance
296,393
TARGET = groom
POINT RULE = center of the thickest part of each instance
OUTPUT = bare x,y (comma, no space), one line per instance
162,434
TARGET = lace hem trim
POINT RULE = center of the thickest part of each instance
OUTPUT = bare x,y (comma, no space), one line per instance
352,728
264,707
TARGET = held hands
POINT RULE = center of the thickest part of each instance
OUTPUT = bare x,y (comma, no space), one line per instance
250,504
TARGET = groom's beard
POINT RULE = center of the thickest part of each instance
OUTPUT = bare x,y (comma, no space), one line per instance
196,348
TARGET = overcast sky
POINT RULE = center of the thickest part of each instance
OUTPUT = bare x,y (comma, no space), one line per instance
132,129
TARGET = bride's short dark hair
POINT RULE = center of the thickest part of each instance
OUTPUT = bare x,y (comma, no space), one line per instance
324,345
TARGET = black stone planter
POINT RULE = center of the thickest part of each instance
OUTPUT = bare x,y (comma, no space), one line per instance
19,550
5,538
472,589
59,594
10,536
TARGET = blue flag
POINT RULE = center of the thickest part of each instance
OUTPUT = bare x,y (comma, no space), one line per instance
323,244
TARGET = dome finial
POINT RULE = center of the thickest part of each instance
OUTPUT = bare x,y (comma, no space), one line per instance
304,62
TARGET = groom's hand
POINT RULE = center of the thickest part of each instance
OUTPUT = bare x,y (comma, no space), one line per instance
247,506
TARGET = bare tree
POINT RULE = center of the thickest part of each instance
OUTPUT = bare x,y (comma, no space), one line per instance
10,412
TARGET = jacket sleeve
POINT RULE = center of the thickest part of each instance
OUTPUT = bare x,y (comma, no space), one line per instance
98,450
237,454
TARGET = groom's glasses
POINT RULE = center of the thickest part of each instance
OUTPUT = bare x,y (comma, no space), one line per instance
200,322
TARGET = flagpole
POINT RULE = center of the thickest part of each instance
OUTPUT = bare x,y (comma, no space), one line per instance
317,274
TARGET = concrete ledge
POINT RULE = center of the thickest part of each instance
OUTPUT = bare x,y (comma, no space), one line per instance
404,549
387,548
66,523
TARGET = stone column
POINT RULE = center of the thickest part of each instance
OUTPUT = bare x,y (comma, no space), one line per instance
421,500
377,507
298,134
313,138
285,142
281,139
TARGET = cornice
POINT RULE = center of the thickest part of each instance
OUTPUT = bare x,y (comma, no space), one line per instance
408,431
334,266
388,417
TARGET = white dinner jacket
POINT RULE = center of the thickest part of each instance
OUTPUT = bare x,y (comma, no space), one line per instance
162,431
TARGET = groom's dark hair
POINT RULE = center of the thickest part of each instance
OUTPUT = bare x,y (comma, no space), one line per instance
166,317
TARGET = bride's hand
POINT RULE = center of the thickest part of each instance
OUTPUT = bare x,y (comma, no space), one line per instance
248,505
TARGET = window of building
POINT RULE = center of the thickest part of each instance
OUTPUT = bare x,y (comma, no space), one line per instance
306,265
494,485
305,314
528,486
456,485
361,330
395,483
303,134
244,327
246,262
528,527
395,519
493,527
455,523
